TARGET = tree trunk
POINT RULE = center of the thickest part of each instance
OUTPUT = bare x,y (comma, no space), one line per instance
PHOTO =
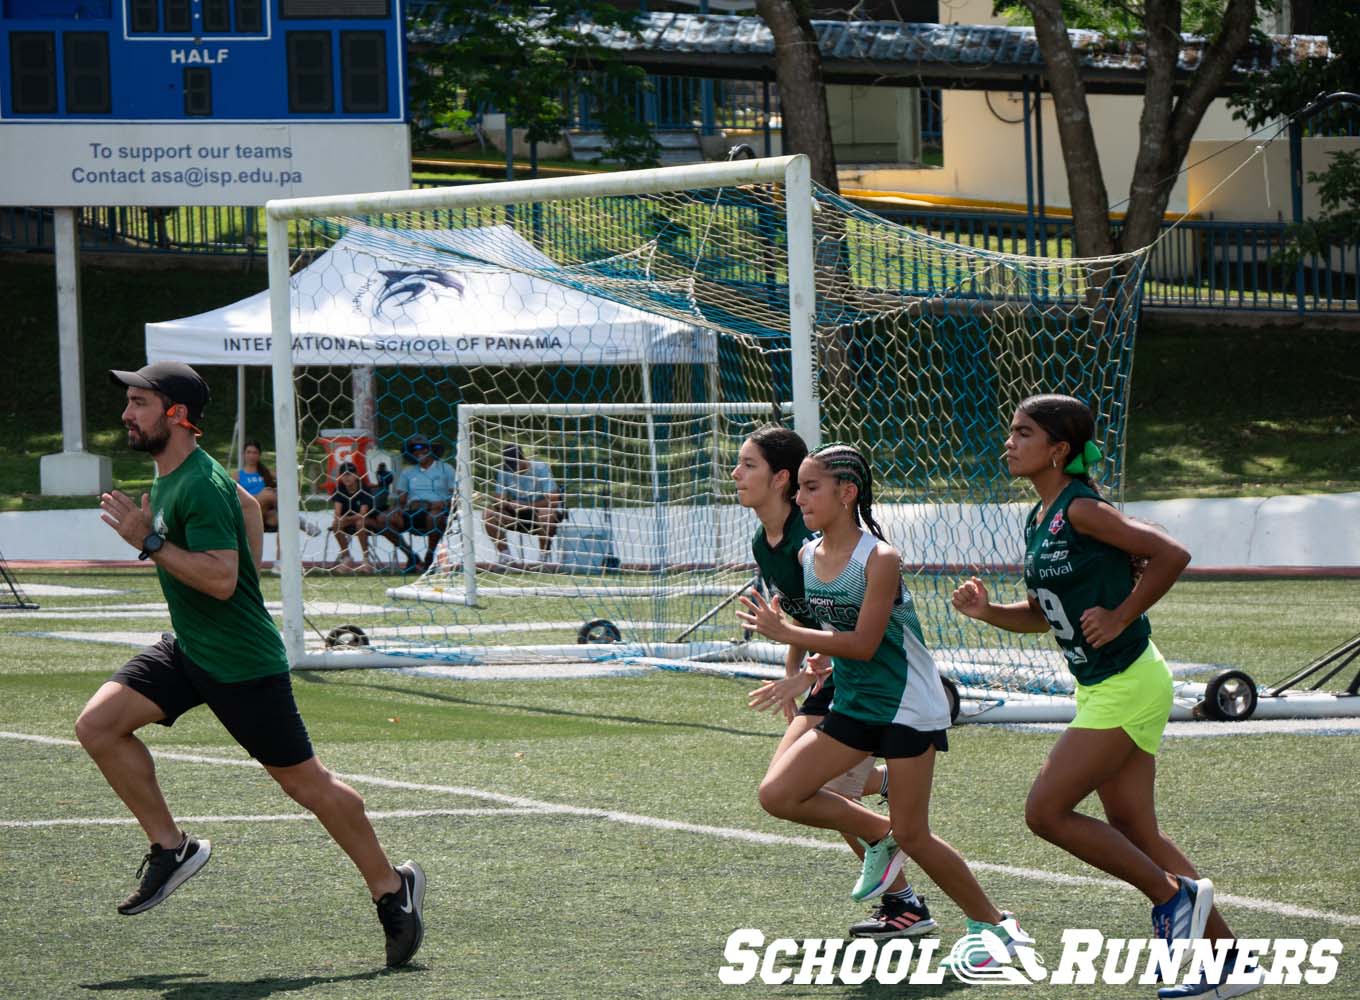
1167,129
1085,183
802,96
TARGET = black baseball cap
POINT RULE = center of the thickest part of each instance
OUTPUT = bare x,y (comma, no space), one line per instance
175,380
417,441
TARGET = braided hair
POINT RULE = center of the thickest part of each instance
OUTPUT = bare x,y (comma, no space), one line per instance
849,465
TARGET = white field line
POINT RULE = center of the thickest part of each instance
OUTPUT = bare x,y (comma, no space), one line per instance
273,818
721,832
159,610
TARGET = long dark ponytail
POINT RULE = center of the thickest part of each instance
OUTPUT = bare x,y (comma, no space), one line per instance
783,451
268,476
850,465
1067,419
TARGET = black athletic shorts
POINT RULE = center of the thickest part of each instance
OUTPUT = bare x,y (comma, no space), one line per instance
887,741
819,703
260,714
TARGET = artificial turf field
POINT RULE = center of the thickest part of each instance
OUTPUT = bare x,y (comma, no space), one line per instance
601,837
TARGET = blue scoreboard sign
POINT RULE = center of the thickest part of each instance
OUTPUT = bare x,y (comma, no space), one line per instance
166,102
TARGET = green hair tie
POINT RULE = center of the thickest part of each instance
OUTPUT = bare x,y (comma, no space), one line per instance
1090,455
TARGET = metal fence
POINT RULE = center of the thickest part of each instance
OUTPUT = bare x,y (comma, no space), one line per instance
1195,264
673,103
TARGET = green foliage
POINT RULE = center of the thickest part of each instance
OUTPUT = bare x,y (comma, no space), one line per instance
1123,18
1339,223
609,908
1286,90
528,61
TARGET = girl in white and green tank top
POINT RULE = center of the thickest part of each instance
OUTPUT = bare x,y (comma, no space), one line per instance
889,700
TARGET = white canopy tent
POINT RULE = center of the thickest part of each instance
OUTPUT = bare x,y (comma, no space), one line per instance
465,297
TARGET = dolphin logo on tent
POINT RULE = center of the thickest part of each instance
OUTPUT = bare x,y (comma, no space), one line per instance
402,287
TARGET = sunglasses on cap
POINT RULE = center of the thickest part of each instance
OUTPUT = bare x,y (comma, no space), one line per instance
420,447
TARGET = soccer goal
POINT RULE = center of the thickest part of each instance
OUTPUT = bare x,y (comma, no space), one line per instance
583,356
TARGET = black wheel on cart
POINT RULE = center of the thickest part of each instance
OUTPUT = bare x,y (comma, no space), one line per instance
1230,697
346,635
599,630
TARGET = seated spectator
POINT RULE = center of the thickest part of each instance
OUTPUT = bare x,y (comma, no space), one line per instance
256,479
420,503
353,502
527,500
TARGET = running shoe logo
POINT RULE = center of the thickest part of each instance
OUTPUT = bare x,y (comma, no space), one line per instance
407,906
182,851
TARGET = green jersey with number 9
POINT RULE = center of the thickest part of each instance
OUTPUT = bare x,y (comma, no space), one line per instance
1067,572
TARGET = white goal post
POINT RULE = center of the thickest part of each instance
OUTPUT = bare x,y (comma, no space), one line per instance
791,172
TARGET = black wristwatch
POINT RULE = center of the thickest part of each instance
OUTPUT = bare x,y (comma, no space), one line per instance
151,544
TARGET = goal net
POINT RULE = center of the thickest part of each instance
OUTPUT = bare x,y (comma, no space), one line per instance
557,375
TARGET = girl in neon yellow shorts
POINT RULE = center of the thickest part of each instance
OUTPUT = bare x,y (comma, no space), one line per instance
1091,574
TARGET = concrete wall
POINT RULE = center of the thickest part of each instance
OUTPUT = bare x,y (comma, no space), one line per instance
1315,530
1260,191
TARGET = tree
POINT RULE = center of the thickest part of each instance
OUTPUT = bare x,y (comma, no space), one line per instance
802,94
1285,90
528,60
1171,111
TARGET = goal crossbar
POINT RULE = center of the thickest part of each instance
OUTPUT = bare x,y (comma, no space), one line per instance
792,173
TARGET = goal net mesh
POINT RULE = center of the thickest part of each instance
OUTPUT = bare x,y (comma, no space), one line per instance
584,370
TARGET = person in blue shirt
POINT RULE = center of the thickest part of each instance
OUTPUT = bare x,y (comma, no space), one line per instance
256,479
527,499
420,504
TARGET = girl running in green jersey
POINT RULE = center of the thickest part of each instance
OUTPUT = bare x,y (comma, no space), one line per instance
1091,574
766,476
889,701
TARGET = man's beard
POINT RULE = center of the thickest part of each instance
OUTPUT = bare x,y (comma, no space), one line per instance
153,442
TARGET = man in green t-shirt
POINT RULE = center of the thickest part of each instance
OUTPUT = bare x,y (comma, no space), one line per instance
203,534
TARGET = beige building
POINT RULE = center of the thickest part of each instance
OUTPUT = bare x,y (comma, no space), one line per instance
984,152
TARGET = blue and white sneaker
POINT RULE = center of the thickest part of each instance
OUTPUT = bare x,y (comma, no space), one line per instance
1222,989
882,862
1183,916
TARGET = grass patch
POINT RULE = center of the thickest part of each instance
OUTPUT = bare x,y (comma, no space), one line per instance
1243,412
598,908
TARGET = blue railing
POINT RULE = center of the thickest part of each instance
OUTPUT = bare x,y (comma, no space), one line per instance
669,103
1194,265
1201,264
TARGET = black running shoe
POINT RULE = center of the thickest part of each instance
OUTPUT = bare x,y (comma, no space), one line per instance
163,871
895,918
399,914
